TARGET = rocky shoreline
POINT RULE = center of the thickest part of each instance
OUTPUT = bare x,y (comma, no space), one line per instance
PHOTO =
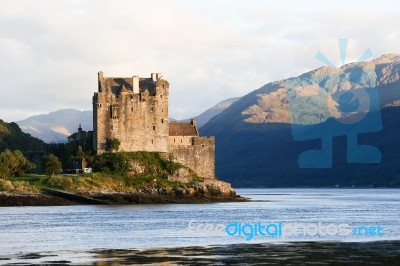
13,199
202,192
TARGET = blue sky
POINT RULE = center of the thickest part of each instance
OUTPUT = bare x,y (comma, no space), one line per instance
209,51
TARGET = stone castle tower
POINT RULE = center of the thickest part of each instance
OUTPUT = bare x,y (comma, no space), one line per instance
134,110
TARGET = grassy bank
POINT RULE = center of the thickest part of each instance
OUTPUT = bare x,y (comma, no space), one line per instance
21,185
85,183
114,172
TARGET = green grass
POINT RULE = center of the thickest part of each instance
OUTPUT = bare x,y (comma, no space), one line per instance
113,174
120,163
156,160
31,179
24,184
146,181
86,183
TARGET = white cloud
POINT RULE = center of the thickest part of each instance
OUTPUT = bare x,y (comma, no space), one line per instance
209,50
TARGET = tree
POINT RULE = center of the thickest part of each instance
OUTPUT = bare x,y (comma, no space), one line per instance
14,164
4,165
112,144
52,165
80,153
71,148
24,165
112,163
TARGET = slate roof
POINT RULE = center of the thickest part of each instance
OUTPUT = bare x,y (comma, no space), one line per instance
182,129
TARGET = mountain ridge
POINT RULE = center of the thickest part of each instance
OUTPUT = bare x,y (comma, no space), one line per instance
56,126
12,137
258,125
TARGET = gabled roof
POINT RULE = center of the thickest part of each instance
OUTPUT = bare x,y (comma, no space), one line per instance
123,89
182,129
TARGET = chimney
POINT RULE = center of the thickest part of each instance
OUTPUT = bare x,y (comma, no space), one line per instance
100,79
135,84
193,122
154,76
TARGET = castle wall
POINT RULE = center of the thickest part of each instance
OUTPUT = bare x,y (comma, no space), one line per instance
180,140
138,120
135,111
199,155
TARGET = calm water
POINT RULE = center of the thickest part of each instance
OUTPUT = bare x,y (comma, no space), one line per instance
77,228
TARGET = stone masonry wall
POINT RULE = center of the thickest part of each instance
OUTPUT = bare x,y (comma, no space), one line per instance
180,140
138,120
199,155
135,111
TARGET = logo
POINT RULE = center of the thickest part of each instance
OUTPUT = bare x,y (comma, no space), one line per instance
333,102
282,230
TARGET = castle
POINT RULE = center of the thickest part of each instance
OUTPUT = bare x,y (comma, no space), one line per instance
134,110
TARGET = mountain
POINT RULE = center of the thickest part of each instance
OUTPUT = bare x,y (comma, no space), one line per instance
11,137
56,126
204,117
262,137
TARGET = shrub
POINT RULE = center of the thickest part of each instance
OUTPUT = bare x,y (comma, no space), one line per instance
155,162
14,164
120,164
24,187
112,163
52,165
17,187
62,182
6,185
112,144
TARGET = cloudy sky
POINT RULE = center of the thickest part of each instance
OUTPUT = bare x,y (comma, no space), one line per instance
51,51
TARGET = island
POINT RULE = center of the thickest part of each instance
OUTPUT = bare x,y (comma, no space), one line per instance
133,155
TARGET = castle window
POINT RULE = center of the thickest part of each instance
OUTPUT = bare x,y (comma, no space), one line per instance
181,141
160,96
162,121
131,109
112,127
202,145
152,108
174,140
114,111
152,141
154,128
163,86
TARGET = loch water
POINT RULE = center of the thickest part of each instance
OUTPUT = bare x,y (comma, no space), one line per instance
77,229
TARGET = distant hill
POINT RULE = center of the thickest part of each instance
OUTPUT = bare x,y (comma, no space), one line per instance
11,137
204,117
56,126
254,138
